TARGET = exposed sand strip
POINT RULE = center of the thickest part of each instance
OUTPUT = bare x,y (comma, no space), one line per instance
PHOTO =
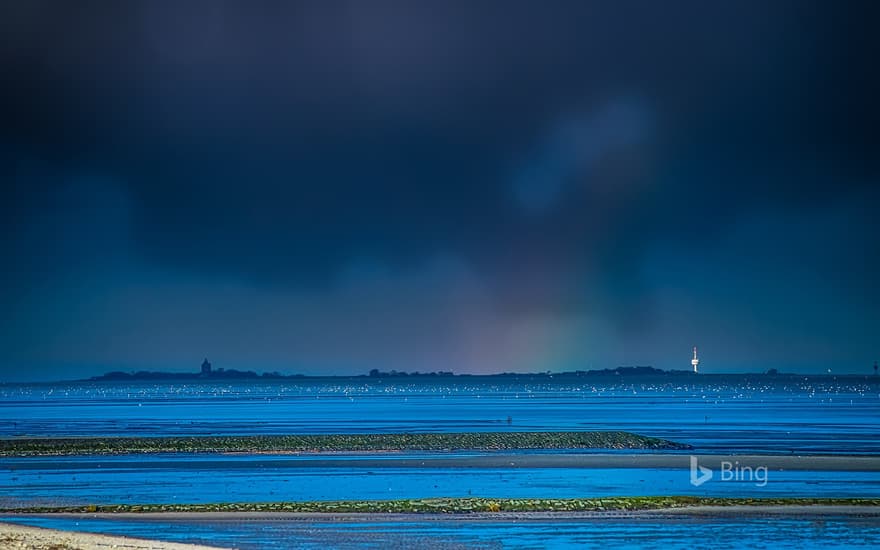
573,460
21,537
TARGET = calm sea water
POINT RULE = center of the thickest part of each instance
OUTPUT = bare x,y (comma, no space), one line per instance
809,417
680,533
133,480
800,417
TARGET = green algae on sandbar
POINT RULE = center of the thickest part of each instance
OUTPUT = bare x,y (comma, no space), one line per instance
487,441
455,505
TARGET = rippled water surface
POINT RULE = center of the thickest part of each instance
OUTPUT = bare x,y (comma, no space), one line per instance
801,417
195,479
683,533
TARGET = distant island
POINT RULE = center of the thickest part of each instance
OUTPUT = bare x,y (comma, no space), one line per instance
207,372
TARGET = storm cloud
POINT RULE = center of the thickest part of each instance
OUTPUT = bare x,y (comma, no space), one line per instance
483,186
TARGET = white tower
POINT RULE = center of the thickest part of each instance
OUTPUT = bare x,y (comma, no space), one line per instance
695,362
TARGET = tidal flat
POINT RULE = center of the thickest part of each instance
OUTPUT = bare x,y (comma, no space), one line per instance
734,526
335,443
454,505
349,464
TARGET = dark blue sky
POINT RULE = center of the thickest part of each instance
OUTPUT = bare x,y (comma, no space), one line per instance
330,187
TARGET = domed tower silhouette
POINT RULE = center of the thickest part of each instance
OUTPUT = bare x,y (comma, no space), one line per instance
206,367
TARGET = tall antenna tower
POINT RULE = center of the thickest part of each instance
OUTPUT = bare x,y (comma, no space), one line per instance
695,362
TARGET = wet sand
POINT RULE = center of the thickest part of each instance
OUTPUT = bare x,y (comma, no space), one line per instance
590,460
20,537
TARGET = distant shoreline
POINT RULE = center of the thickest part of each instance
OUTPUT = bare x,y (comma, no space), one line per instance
630,374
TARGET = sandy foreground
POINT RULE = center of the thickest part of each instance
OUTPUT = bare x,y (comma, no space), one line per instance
20,537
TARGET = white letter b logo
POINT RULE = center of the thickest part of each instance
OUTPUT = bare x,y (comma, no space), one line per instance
699,474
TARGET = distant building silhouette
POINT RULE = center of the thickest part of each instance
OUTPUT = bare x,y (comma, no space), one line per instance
206,367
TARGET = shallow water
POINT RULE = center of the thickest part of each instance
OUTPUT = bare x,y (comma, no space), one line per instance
809,417
683,533
137,479
813,417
